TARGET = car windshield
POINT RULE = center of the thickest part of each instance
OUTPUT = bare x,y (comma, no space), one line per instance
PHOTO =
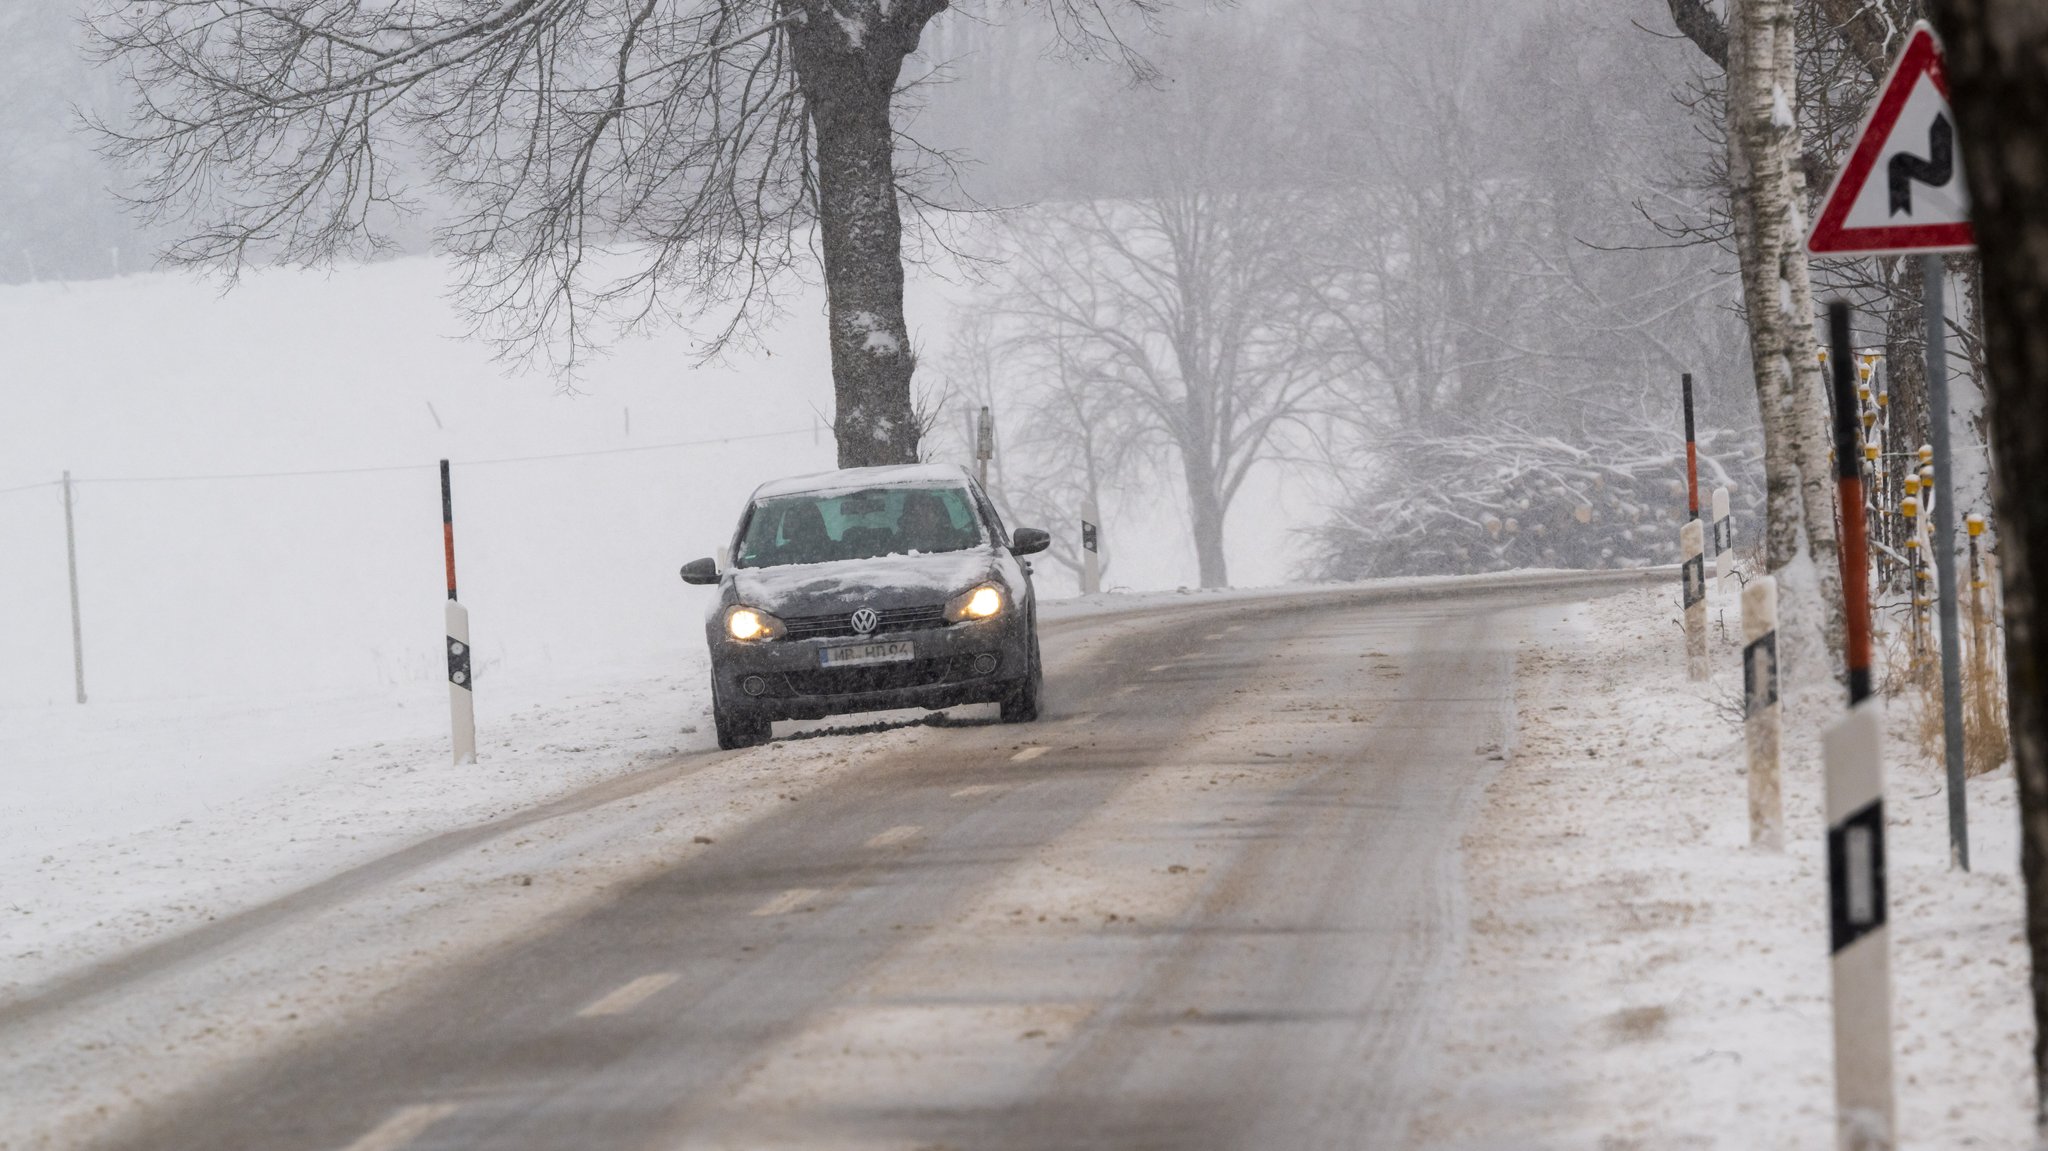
822,527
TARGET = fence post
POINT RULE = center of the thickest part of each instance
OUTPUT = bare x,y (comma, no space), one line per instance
1693,573
71,567
461,697
1762,717
1859,944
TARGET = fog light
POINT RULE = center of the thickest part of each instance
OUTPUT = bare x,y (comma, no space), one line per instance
753,685
984,663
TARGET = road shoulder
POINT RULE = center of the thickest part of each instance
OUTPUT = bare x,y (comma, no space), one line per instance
1637,976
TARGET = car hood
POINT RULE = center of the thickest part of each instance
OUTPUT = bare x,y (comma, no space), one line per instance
843,585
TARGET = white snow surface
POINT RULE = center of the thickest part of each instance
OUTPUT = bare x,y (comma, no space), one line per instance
1637,976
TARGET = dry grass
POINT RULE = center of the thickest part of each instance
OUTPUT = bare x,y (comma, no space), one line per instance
1912,674
1985,721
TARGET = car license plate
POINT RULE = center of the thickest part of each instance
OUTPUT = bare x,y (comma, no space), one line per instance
894,651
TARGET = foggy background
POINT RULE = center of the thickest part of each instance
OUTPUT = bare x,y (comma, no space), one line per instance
1430,294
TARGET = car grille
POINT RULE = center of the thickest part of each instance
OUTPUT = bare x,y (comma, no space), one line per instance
880,676
841,623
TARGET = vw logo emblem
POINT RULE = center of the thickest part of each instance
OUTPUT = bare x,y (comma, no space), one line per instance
866,620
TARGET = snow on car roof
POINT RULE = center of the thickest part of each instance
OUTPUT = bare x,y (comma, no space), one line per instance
850,479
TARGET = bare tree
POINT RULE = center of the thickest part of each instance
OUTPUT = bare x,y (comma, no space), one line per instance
1767,186
1998,75
1506,350
607,160
1183,304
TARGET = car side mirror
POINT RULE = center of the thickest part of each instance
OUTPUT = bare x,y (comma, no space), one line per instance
704,571
1026,541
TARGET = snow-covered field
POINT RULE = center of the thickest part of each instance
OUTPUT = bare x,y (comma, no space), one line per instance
1686,999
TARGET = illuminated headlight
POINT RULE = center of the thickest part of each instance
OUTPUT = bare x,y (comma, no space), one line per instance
745,623
980,603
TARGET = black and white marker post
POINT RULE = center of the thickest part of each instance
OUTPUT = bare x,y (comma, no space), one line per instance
1691,550
1091,548
984,445
1762,717
461,701
1724,542
1861,946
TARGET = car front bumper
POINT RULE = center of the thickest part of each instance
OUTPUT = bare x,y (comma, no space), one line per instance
969,662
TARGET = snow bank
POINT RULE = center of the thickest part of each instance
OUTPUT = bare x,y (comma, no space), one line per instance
1637,976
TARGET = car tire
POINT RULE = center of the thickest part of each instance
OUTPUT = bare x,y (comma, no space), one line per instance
1020,703
736,728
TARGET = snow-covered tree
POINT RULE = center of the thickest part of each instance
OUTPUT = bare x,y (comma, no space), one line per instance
614,161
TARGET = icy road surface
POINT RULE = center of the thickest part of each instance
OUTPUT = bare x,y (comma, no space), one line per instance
1212,899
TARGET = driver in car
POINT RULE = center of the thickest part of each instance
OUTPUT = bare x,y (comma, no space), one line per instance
924,526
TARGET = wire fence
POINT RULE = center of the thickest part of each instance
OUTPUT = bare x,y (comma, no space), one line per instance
385,468
262,582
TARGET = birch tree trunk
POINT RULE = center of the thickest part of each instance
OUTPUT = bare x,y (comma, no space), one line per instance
1998,84
1768,201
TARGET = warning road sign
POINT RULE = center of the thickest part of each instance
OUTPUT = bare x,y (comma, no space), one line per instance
1902,188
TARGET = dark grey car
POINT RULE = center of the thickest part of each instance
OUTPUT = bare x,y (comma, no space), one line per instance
868,589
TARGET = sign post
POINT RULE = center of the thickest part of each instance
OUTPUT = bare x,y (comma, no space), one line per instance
1902,192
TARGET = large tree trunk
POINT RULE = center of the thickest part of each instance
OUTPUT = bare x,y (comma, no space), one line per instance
1765,188
1206,506
847,63
1998,82
1206,512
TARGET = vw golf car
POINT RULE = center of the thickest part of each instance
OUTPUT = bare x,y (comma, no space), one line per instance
867,589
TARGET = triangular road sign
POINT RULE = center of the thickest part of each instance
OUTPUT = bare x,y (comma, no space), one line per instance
1902,188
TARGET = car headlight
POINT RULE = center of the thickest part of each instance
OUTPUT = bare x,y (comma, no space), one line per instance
746,623
979,603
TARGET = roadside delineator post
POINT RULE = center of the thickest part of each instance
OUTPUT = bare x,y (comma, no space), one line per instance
1693,574
1091,548
1692,458
1865,1112
984,445
1762,717
461,698
1691,550
1724,542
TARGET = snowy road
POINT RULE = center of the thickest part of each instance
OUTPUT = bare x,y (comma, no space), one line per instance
1211,900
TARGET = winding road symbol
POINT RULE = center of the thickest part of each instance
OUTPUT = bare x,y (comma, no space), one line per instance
1935,171
1873,207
